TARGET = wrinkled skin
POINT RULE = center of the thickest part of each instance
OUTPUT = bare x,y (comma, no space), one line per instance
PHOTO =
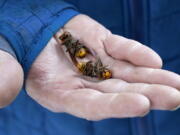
138,83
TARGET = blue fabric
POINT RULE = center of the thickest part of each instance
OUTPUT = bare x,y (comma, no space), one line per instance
5,46
152,22
28,25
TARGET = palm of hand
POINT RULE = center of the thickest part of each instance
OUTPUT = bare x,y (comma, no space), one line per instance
138,84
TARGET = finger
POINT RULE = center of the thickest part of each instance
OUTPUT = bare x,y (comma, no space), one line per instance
161,97
94,105
125,49
130,73
152,76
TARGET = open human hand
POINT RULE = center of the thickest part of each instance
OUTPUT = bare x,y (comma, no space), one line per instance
138,83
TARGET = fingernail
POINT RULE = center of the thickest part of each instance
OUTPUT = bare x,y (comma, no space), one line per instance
176,108
144,114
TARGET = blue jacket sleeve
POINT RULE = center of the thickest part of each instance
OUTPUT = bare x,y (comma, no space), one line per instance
4,46
28,25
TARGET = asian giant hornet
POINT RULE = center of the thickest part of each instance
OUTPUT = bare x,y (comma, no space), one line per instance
76,49
94,69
